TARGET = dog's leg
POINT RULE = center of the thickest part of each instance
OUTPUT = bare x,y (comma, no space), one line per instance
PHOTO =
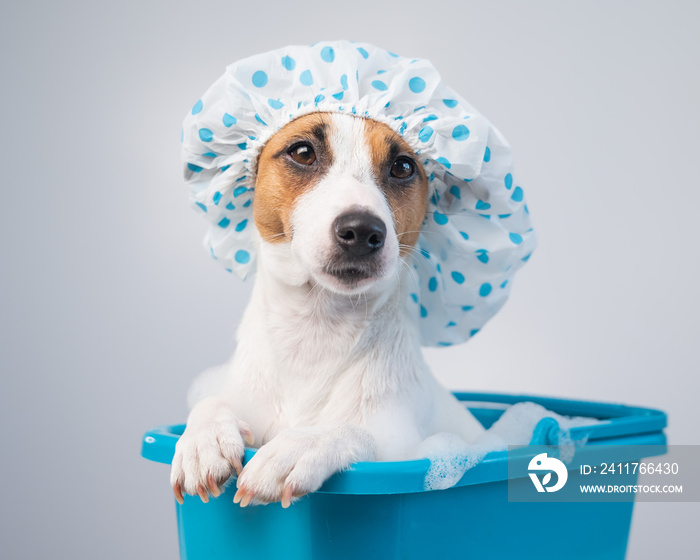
453,416
209,451
299,460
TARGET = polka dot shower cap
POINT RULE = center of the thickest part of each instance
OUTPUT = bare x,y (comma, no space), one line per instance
476,231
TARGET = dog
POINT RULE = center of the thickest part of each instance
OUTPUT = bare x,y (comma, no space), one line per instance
328,369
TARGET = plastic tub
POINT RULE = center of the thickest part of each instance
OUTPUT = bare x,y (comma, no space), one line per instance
381,510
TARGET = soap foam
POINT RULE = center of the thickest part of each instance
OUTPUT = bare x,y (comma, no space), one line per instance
450,456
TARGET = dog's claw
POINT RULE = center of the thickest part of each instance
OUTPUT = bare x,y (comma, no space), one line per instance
202,494
243,496
238,467
248,436
213,487
177,489
287,496
239,494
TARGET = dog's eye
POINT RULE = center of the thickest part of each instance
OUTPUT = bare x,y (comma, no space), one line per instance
402,168
303,153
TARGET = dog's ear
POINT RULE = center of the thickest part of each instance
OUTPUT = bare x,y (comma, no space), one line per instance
292,161
398,171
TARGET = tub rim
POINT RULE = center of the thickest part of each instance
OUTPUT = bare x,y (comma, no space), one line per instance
626,427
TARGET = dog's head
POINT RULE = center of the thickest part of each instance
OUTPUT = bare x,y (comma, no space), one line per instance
339,200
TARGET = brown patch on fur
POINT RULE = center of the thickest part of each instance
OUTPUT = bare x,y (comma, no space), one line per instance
281,181
407,198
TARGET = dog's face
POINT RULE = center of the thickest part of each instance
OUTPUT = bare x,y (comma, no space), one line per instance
338,200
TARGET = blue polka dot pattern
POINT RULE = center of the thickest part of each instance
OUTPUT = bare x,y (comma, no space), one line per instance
425,133
460,132
485,289
440,218
508,181
260,79
306,78
289,63
476,232
228,120
416,84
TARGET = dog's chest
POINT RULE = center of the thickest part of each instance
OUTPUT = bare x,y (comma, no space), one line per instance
317,360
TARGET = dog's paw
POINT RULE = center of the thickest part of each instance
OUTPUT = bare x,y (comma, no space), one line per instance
291,465
208,453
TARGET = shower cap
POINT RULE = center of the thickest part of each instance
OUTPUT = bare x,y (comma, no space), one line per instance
476,232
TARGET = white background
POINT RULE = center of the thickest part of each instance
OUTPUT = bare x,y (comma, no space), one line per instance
110,306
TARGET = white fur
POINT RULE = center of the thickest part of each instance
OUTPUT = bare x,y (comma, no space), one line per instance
324,376
348,184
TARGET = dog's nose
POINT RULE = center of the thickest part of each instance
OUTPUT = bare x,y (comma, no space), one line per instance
359,233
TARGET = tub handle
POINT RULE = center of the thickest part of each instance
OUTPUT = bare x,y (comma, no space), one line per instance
546,432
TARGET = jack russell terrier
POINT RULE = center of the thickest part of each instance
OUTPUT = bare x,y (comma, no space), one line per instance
328,368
